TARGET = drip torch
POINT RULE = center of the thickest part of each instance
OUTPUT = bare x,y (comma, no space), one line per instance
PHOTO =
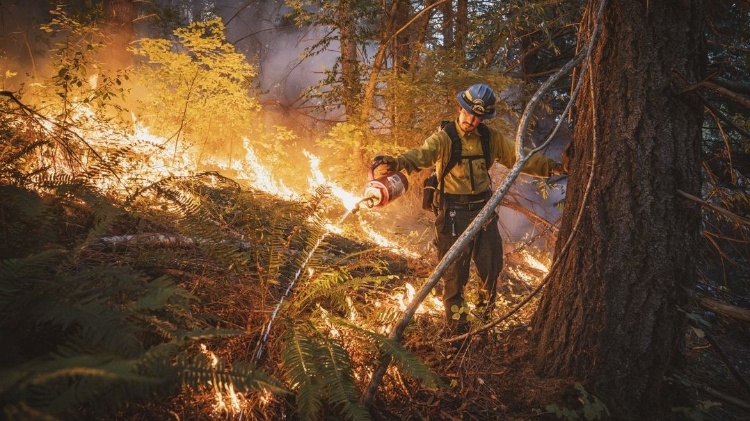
382,190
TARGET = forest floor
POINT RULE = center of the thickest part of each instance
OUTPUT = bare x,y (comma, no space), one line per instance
490,376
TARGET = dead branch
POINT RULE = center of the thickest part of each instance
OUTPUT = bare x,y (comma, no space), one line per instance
725,309
162,240
732,95
735,86
723,356
726,398
728,214
711,108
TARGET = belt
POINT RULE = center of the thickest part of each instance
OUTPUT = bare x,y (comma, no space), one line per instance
466,201
466,206
467,198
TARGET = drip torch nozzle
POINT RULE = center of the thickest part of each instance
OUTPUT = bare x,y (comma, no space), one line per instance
370,201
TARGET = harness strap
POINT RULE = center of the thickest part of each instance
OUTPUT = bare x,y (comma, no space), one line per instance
456,151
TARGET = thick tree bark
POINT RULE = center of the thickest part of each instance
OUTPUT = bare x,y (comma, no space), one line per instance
610,316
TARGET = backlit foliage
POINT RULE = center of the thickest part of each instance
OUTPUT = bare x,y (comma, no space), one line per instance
196,89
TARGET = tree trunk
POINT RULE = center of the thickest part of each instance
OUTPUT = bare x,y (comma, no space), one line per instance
119,15
351,88
610,316
404,41
447,24
462,25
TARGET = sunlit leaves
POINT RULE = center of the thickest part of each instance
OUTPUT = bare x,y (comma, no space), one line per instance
198,88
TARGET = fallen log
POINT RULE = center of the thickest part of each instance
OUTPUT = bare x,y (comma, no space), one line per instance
725,309
163,240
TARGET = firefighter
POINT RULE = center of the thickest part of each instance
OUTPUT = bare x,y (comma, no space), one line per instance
464,190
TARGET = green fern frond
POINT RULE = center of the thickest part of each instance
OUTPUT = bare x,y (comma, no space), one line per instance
201,370
336,370
246,377
15,152
412,365
60,385
158,295
320,370
74,190
299,355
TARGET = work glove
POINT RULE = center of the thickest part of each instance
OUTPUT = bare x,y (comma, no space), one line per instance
557,168
561,168
383,164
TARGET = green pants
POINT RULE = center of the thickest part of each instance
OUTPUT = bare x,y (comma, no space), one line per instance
486,250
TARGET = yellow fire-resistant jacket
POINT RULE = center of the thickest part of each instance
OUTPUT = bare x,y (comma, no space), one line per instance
436,150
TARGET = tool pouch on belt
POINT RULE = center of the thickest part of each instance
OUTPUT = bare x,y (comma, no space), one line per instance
429,188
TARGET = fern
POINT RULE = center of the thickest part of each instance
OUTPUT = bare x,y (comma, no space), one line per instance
198,371
412,365
339,379
320,371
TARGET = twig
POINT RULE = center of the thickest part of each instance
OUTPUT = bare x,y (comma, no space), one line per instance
728,214
725,309
726,398
33,113
734,96
732,369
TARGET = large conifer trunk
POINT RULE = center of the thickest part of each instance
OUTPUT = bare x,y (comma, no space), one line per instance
610,316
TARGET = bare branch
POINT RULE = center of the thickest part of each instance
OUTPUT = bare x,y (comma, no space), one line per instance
728,214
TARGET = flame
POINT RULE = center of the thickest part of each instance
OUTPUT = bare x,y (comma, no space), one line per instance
317,178
253,170
533,262
226,399
155,158
214,359
432,305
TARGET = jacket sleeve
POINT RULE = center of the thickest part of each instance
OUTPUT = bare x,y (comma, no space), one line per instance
425,156
504,151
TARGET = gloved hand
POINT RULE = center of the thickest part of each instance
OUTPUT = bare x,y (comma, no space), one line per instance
566,156
557,169
561,168
383,164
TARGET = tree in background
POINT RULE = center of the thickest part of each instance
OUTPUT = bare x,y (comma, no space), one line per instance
612,314
119,16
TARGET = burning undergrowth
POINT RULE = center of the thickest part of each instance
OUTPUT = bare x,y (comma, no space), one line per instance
136,284
225,300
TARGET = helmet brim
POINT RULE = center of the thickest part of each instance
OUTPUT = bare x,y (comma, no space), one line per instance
466,106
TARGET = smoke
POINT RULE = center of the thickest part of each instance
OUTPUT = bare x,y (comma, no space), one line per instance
260,31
